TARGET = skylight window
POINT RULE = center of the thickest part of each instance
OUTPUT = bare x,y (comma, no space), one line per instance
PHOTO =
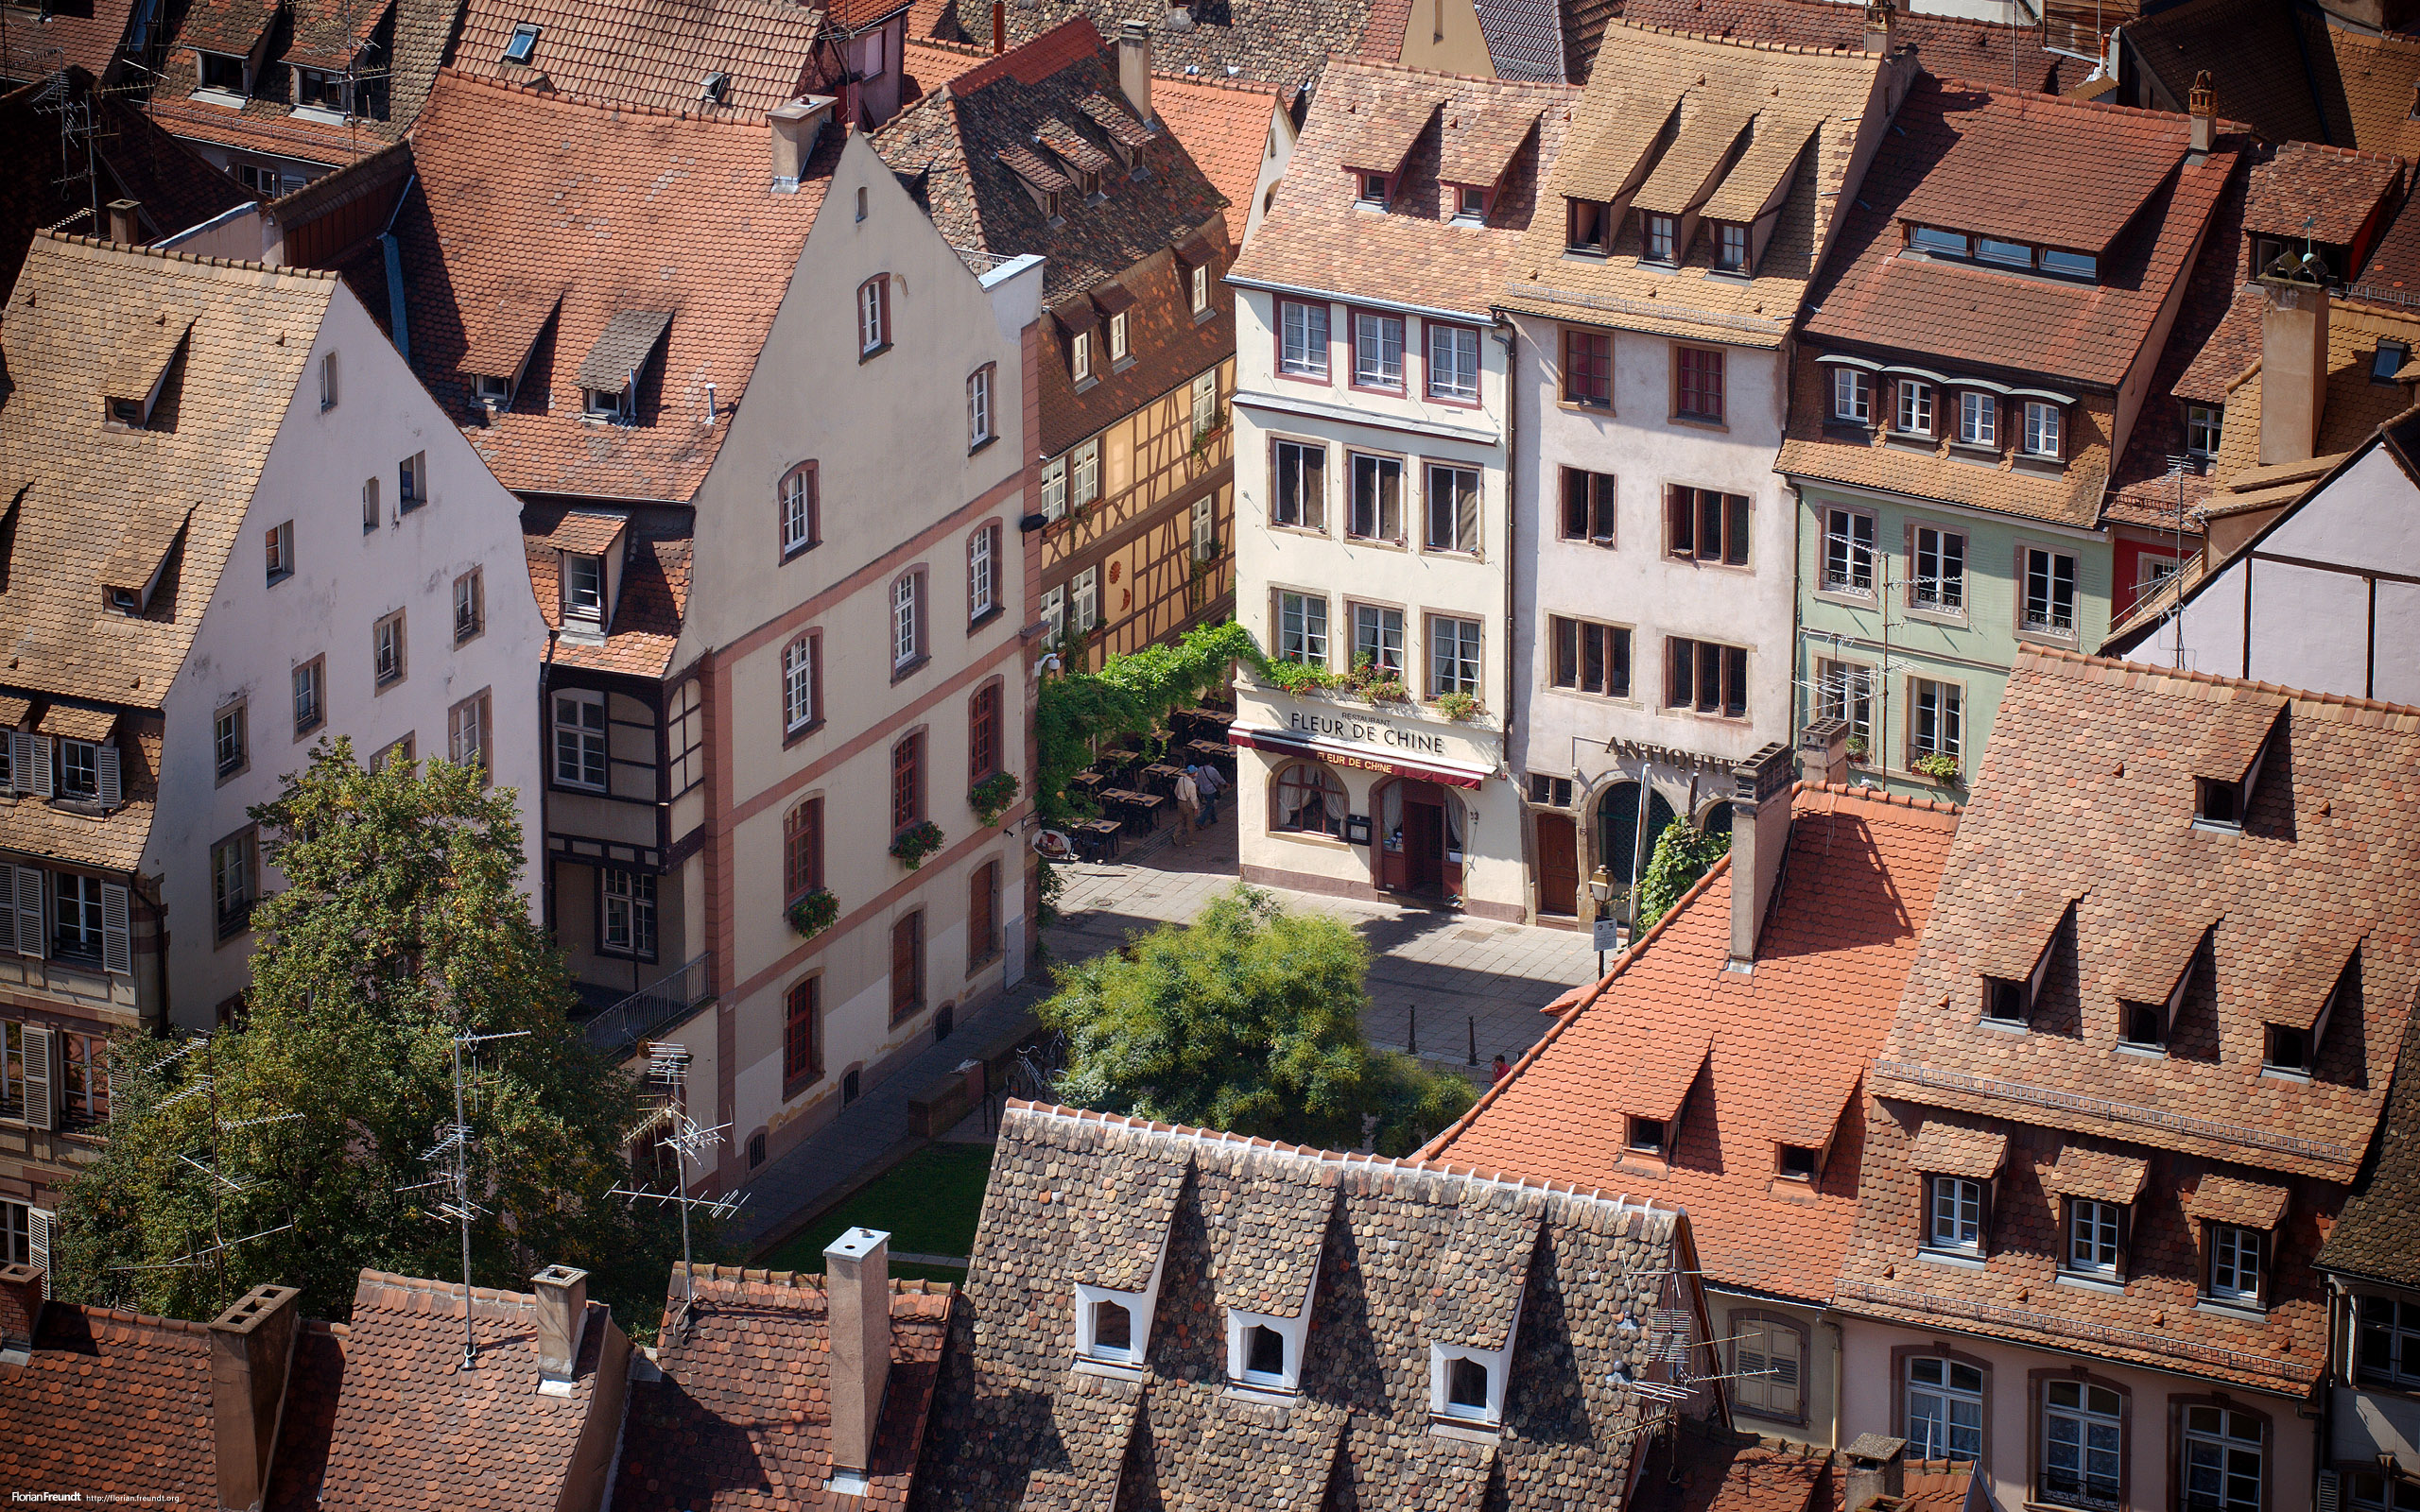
715,90
523,43
1934,239
2074,265
2014,254
2387,361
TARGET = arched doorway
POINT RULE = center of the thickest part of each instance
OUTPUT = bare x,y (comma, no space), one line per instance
1617,833
1420,828
1716,817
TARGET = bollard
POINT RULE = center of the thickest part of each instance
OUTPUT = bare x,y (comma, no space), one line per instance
1473,1039
1411,1017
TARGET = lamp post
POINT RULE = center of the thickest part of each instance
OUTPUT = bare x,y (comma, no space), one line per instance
1600,886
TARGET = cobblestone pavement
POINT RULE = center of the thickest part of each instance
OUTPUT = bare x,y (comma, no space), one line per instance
1436,975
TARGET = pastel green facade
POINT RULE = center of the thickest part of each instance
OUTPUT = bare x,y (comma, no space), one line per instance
1901,644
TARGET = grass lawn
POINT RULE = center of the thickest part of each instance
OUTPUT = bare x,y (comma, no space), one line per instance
927,1202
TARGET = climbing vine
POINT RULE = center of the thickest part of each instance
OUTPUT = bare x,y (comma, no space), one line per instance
1131,694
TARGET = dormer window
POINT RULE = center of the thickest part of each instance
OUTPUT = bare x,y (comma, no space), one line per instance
1374,188
1467,1386
1264,1355
2387,360
1934,239
2143,1025
126,413
493,388
2218,804
1645,1136
1729,248
2045,429
1660,239
2203,426
1466,1389
225,72
1915,415
2003,999
2071,264
1589,227
523,43
2286,1049
1796,1162
715,90
319,88
584,588
1470,203
2011,254
1852,396
1112,1330
1979,419
124,601
601,404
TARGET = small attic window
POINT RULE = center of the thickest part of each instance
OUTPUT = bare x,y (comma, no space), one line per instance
1647,1136
2073,265
1112,1329
126,413
1466,1387
714,89
2218,804
2004,999
125,601
1470,202
493,388
2387,361
2286,1048
1590,227
523,43
1797,1162
1264,1354
1934,239
1374,187
2143,1025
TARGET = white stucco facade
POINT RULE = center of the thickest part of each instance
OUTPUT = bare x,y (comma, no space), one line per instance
1623,750
1421,802
346,578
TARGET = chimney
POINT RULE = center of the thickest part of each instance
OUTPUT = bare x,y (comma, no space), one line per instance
857,1288
125,221
2201,110
1760,838
1134,65
562,1316
1823,752
2293,367
1878,17
999,27
795,129
1878,1468
252,1343
20,1292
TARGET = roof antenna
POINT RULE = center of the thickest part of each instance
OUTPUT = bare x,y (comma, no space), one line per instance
710,407
454,1140
667,1065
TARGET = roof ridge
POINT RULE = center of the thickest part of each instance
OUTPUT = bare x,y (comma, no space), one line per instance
2069,102
1378,65
1876,795
984,76
1749,43
1237,86
1519,1181
2104,665
558,96
2395,159
169,254
119,1314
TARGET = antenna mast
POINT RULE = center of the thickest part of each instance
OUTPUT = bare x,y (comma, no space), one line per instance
453,1146
669,1068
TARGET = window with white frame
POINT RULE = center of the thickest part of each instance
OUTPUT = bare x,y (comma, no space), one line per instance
1844,691
1938,725
1662,239
579,740
1205,529
1119,348
327,379
1852,395
466,733
798,684
1205,401
1979,419
796,495
874,314
1302,342
981,548
17,1218
387,649
1730,246
1080,356
1453,656
1469,1385
1944,1409
2235,1263
978,406
906,619
80,768
1378,639
1302,628
1084,476
1084,600
281,552
2387,1340
1054,611
1939,581
1377,349
470,606
2093,1236
310,695
231,883
370,503
2049,592
2043,429
76,915
1848,551
627,927
2223,1450
1198,286
227,740
2371,1492
1915,408
1054,489
1453,362
411,482
2204,424
584,589
1298,485
2083,1445
1113,1326
1954,1215
1113,1334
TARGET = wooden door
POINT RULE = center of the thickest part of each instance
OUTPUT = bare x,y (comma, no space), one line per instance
1423,846
1558,866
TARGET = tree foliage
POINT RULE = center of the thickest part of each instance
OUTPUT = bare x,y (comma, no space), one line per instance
1131,694
402,926
1249,1020
1683,854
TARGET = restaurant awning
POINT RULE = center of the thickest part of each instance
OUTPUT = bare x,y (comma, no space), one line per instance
1431,769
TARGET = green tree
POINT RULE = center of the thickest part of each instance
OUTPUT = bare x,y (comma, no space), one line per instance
402,927
1248,1020
1683,854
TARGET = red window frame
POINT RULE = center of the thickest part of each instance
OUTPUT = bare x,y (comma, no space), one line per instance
1353,315
802,849
908,966
1696,384
803,1035
983,732
908,782
1588,368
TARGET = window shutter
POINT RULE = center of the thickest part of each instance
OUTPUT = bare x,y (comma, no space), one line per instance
112,788
38,1235
21,762
117,933
28,911
41,1076
2330,1492
33,764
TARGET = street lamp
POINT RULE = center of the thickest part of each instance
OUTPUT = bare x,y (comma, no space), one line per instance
1600,886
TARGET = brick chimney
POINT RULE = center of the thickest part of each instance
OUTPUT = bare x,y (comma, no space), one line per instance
1878,1468
20,1294
1880,14
252,1345
857,1281
2294,368
563,1315
1760,838
2203,115
1134,65
795,129
1823,752
126,220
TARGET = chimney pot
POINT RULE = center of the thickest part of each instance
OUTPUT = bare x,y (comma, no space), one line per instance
999,28
856,1280
2294,368
252,1345
2201,108
1878,18
1823,752
1134,65
562,1316
1760,838
796,125
20,1295
125,221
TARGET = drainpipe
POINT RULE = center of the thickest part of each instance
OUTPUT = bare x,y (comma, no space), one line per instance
1840,1349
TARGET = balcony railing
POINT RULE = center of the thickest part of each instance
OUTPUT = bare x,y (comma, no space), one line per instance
632,1019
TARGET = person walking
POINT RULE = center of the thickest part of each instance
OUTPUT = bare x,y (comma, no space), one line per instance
1188,808
1207,780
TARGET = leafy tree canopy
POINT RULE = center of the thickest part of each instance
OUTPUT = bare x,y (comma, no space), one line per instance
1249,1020
1683,854
1131,694
402,926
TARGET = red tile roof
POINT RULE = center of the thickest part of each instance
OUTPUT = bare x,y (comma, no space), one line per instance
741,1419
1947,44
524,196
1789,1044
1736,1473
1225,131
114,1400
85,36
655,53
2335,190
1955,152
648,610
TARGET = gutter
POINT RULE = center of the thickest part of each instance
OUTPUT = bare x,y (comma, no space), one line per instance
1459,317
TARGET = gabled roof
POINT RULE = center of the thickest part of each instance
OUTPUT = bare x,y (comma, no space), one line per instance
1316,238
1947,44
1285,42
1223,127
1025,116
1788,1044
2103,754
737,1416
77,308
1599,1280
654,53
1664,113
2328,193
524,200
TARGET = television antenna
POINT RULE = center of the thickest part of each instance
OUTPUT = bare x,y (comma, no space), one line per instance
450,1153
667,1065
222,1185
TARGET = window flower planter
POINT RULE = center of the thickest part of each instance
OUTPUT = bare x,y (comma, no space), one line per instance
991,797
915,843
814,914
1938,765
1457,706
